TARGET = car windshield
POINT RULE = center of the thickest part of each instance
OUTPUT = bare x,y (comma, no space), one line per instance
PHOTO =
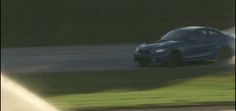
176,35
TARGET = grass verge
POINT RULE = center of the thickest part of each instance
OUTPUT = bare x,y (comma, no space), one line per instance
135,88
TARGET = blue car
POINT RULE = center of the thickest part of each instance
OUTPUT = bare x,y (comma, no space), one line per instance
191,43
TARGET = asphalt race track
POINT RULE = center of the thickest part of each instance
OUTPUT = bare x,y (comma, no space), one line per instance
69,58
72,58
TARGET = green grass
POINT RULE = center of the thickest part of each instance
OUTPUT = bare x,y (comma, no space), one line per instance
135,88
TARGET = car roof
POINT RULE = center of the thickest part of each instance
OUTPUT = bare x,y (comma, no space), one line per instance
195,28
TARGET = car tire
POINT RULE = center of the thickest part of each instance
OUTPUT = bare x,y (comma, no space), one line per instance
174,59
224,54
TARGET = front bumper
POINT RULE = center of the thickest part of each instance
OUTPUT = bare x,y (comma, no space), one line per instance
151,58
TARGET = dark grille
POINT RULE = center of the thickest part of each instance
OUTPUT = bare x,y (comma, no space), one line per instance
144,51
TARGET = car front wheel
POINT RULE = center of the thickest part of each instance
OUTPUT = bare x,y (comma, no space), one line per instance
144,63
174,59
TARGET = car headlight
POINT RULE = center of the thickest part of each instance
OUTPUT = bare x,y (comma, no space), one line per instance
159,50
136,49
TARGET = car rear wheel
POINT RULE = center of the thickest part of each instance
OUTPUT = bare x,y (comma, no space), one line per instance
224,54
174,59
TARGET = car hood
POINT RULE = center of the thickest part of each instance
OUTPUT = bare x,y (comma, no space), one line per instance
160,44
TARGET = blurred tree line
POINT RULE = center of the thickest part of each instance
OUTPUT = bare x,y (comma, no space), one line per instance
73,22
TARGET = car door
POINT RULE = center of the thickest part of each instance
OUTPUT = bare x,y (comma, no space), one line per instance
196,47
211,39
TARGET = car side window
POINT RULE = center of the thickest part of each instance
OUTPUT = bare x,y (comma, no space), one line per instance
213,34
196,36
